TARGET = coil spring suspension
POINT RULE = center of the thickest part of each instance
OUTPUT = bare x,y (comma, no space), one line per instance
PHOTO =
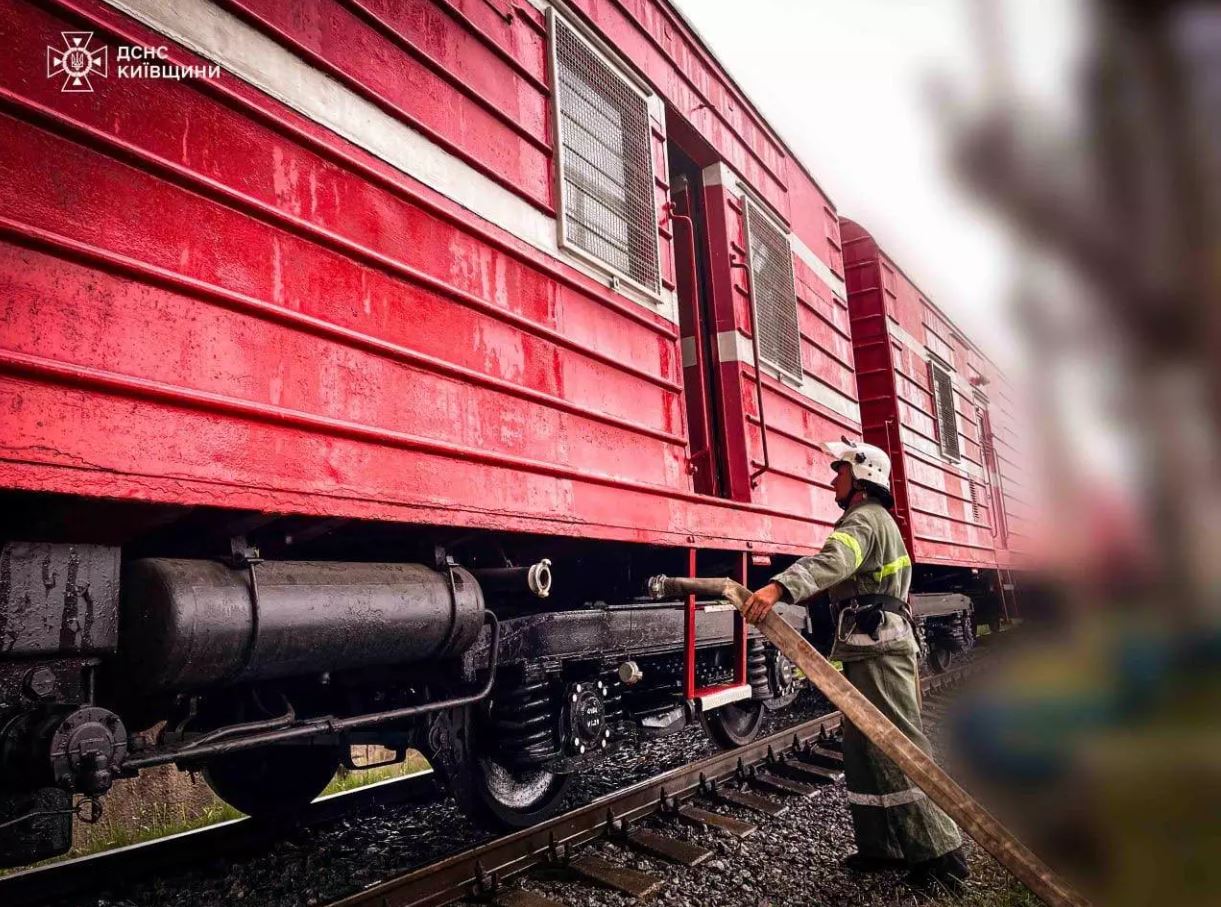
756,669
534,722
524,722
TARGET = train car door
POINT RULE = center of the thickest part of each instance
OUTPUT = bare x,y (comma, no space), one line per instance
697,325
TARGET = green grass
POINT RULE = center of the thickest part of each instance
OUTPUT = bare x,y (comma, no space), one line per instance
160,820
346,779
165,820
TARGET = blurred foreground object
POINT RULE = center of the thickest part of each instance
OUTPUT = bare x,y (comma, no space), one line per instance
1106,729
1133,207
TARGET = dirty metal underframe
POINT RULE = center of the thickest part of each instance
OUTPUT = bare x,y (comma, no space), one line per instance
483,869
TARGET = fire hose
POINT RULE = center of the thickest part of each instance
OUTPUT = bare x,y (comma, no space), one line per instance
915,763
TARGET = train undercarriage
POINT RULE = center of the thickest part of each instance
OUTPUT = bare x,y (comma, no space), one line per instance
260,659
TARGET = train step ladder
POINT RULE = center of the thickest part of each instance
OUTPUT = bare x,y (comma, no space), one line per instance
715,696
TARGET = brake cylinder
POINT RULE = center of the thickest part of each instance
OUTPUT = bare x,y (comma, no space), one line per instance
187,624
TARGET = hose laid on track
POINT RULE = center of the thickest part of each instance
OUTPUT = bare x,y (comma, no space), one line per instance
915,763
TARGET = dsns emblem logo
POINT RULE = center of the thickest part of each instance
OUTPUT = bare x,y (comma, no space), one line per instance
76,61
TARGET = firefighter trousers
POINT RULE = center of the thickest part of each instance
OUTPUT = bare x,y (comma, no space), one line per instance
891,818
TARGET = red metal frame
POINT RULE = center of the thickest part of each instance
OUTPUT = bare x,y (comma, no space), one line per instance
450,373
690,690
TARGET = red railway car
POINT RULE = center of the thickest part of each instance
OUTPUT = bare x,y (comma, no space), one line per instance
361,274
361,360
941,409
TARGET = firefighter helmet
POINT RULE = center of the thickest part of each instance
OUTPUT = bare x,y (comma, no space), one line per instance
868,463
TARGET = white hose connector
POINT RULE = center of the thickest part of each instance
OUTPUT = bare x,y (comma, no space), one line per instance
538,578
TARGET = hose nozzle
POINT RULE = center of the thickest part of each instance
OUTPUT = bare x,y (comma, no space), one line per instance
662,587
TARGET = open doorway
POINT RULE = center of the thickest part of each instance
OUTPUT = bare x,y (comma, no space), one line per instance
697,324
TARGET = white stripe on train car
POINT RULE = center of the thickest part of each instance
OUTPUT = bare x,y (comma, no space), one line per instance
721,174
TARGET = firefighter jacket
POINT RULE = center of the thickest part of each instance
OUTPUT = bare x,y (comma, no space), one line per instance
864,554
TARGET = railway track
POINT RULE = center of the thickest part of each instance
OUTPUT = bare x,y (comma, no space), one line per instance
796,762
83,875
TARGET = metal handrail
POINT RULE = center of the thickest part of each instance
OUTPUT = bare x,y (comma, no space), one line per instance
697,331
754,345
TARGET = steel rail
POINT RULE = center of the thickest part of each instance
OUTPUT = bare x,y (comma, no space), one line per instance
482,870
86,875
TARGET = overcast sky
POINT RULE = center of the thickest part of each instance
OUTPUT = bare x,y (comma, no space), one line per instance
846,83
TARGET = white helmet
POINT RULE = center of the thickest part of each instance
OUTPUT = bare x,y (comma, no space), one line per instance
868,463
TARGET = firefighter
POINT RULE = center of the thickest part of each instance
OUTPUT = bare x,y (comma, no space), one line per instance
866,572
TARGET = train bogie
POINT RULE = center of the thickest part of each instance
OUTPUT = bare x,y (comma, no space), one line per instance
261,673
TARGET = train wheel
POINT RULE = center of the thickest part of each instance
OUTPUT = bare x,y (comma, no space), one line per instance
503,797
939,659
272,782
733,725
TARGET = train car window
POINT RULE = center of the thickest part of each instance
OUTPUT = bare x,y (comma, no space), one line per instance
773,294
947,416
605,161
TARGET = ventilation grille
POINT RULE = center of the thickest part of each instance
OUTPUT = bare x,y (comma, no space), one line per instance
947,420
977,507
605,160
773,295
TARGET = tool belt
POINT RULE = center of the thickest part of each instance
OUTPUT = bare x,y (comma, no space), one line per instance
866,612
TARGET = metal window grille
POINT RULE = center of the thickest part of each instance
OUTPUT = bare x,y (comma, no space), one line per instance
947,418
605,161
772,293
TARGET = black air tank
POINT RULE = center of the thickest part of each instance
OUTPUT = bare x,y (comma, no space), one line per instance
192,623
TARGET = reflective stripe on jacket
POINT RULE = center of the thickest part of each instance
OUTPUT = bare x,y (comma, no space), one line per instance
864,554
